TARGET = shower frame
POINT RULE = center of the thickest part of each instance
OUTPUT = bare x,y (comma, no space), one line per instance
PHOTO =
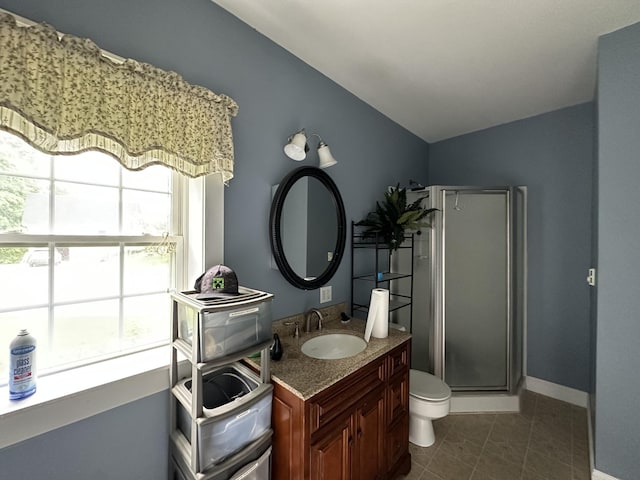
436,197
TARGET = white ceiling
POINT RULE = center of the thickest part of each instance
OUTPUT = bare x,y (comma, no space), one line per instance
442,68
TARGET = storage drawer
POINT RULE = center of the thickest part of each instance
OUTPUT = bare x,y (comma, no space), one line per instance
236,409
251,463
398,360
224,326
397,442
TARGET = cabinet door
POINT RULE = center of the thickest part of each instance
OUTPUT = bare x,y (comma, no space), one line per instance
398,400
331,452
398,446
369,421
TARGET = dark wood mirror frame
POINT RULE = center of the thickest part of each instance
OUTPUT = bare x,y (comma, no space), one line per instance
275,222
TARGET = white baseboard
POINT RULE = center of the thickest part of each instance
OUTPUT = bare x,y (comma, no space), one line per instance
598,475
559,392
595,474
591,439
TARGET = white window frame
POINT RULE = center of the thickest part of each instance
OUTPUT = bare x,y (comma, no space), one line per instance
73,395
51,241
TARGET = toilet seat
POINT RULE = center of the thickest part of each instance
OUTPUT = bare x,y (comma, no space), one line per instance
428,387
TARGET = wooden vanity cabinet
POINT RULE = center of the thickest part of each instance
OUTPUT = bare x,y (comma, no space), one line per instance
356,429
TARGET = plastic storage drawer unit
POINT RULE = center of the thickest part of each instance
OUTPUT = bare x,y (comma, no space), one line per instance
236,411
252,463
225,325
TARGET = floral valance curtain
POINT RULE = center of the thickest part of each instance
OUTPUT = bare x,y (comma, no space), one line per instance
62,95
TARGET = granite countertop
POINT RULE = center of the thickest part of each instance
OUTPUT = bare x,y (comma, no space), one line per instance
305,376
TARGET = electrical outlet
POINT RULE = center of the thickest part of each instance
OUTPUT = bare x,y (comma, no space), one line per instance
325,294
591,279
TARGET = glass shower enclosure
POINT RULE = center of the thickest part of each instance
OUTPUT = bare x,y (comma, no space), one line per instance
469,287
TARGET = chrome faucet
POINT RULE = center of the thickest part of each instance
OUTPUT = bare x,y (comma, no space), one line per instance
307,319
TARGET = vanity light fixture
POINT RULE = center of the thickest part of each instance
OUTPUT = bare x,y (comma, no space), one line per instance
297,148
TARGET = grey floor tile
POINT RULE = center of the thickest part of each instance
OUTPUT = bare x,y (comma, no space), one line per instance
528,402
511,427
498,468
581,474
580,461
464,450
449,467
415,473
513,451
427,475
477,475
442,425
547,440
550,405
474,428
546,466
422,455
529,475
552,447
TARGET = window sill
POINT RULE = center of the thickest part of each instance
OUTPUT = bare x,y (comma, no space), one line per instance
73,395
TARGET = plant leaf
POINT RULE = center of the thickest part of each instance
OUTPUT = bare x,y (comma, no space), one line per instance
392,217
410,216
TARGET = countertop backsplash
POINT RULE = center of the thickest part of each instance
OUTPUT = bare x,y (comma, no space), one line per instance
330,314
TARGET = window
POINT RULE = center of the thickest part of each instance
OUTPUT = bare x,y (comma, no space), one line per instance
88,254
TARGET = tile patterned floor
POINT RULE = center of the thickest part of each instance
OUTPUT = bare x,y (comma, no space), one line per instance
547,440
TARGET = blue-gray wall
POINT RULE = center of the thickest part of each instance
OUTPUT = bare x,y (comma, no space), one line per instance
618,310
277,95
552,154
127,443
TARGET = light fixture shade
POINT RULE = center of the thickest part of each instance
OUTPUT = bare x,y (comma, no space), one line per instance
326,159
296,148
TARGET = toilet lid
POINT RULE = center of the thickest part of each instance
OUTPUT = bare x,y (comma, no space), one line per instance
426,386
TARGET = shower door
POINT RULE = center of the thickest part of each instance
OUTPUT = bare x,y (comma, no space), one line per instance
469,287
476,287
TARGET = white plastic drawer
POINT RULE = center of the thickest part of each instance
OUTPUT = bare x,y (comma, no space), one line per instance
236,409
251,463
225,329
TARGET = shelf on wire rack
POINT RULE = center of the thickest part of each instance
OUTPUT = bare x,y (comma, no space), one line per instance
394,304
386,276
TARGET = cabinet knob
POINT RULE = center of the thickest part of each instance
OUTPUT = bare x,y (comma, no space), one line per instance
359,433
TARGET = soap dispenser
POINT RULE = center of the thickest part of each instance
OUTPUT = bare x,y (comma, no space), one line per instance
276,348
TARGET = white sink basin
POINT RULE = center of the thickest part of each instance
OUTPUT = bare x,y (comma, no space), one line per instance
333,346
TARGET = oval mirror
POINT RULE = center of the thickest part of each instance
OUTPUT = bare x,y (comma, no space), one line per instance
308,227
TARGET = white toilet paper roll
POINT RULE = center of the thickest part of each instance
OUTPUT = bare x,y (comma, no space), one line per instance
378,317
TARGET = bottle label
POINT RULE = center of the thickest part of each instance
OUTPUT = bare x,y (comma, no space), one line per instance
23,350
21,374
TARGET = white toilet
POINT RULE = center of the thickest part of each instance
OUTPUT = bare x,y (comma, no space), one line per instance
429,399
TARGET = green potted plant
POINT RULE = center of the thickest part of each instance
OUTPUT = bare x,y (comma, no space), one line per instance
393,216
